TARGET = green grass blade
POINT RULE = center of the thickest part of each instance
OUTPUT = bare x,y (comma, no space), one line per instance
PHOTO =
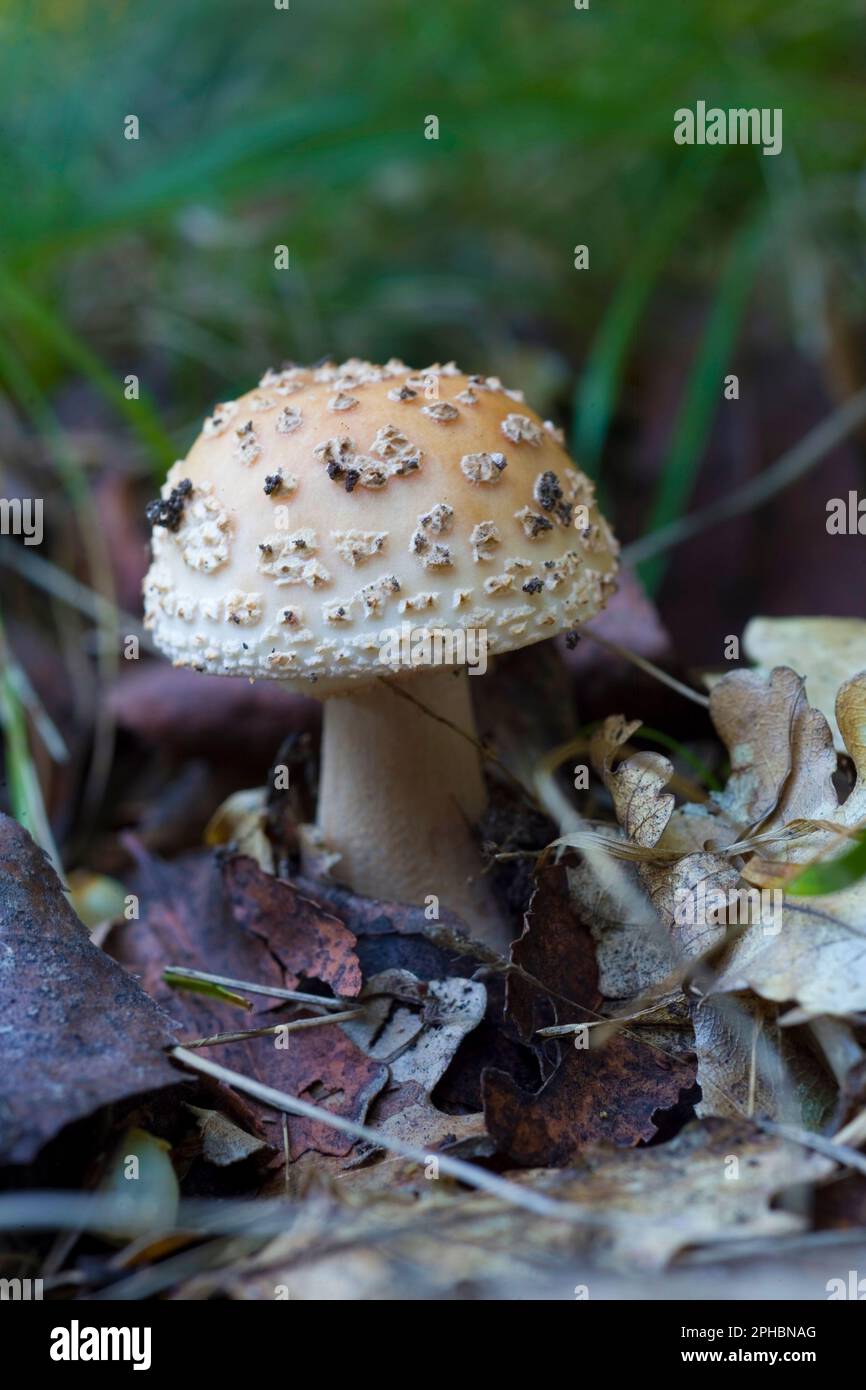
177,980
25,794
597,390
19,304
832,875
704,389
674,746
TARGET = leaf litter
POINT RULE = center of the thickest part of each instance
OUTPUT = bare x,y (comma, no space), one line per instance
614,1064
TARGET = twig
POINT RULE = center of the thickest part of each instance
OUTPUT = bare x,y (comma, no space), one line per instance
294,1027
830,1148
181,971
781,474
649,667
457,1168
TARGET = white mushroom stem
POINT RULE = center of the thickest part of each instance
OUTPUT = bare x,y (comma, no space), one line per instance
400,793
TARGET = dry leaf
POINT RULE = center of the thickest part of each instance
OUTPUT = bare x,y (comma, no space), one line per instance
78,1032
711,1185
749,1065
611,1090
826,651
814,953
223,1142
416,1028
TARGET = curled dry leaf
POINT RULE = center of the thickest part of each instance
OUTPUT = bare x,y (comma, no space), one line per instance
814,952
827,652
415,1027
241,822
222,1141
78,1032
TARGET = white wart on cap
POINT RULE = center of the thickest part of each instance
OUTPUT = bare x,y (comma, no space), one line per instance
321,510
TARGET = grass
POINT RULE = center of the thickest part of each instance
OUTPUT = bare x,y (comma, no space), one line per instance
154,257
25,793
703,395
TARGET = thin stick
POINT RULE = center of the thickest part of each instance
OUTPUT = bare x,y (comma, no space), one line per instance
61,585
753,1068
830,1148
271,991
854,1133
781,474
294,1027
648,666
463,1172
285,1128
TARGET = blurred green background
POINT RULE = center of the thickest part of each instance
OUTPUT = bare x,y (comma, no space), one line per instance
306,127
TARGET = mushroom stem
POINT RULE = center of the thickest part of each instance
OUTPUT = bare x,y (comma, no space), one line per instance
400,793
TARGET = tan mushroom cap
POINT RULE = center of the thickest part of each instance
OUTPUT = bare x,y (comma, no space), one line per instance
332,505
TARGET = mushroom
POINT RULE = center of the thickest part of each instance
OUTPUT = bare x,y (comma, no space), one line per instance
349,552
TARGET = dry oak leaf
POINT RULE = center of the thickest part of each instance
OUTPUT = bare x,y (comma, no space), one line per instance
78,1032
325,1067
826,651
223,914
611,1091
748,1063
816,955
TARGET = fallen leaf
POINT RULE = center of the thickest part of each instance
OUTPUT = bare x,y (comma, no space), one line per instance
308,942
224,915
399,936
634,951
223,1142
746,1063
324,1066
416,1028
613,1089
78,1032
710,1186
749,1065
814,952
241,822
827,652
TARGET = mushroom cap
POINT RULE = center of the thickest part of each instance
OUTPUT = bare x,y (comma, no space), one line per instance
334,508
